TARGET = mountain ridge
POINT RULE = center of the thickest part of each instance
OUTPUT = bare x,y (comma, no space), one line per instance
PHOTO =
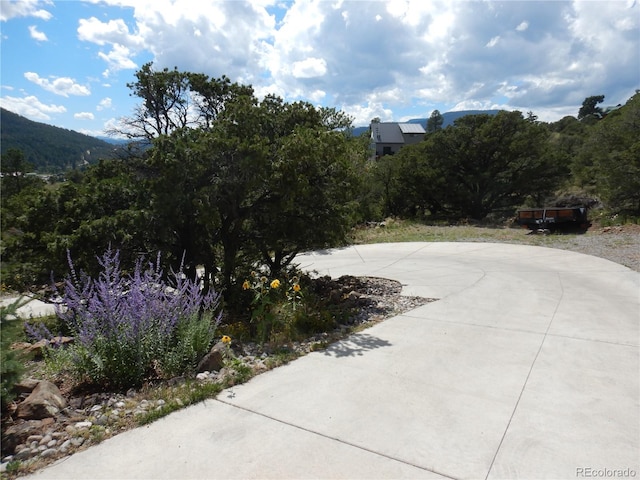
47,148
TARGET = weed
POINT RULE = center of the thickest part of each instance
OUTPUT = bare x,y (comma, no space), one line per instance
14,466
97,433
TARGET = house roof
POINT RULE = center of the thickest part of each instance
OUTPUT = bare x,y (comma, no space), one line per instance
391,132
386,133
411,128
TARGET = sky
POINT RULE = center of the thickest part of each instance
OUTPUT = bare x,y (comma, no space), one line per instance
67,63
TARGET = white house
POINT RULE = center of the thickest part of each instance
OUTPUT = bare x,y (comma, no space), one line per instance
388,138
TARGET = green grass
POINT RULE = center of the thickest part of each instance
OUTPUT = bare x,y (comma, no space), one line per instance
179,397
411,231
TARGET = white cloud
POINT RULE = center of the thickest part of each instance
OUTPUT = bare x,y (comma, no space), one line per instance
104,104
233,38
111,32
36,34
31,107
124,45
83,116
363,114
309,67
24,8
317,96
117,59
493,42
378,58
64,86
479,105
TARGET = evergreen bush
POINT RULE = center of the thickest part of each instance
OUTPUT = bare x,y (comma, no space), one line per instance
11,364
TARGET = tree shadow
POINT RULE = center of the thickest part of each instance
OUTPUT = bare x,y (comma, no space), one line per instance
355,345
329,251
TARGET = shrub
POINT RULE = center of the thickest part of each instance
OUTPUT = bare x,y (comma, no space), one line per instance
11,364
128,327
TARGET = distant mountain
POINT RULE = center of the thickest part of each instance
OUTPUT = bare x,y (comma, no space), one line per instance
448,119
50,149
115,141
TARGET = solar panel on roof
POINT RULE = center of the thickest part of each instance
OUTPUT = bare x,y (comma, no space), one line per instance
411,128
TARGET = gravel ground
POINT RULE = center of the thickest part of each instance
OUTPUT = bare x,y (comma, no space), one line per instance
618,244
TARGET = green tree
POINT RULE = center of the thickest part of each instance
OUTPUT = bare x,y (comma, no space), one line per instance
211,96
11,361
434,123
14,167
590,107
312,196
277,182
15,190
102,209
481,164
229,183
608,164
218,188
165,104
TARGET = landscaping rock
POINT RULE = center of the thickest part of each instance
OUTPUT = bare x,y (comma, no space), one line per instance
18,434
26,385
36,348
214,360
44,401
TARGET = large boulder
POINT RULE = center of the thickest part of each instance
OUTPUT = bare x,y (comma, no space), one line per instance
44,401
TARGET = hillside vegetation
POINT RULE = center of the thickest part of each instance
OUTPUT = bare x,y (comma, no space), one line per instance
50,149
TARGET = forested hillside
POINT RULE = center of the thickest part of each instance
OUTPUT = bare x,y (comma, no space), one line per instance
50,149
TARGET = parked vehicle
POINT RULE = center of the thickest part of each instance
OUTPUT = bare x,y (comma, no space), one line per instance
554,218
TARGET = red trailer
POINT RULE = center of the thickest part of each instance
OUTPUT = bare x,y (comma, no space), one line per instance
554,218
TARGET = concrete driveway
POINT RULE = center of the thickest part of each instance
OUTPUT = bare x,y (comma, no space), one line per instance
527,367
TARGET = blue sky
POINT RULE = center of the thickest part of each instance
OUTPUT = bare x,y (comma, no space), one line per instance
67,63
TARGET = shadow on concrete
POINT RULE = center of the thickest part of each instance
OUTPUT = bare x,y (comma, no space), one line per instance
329,251
356,345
